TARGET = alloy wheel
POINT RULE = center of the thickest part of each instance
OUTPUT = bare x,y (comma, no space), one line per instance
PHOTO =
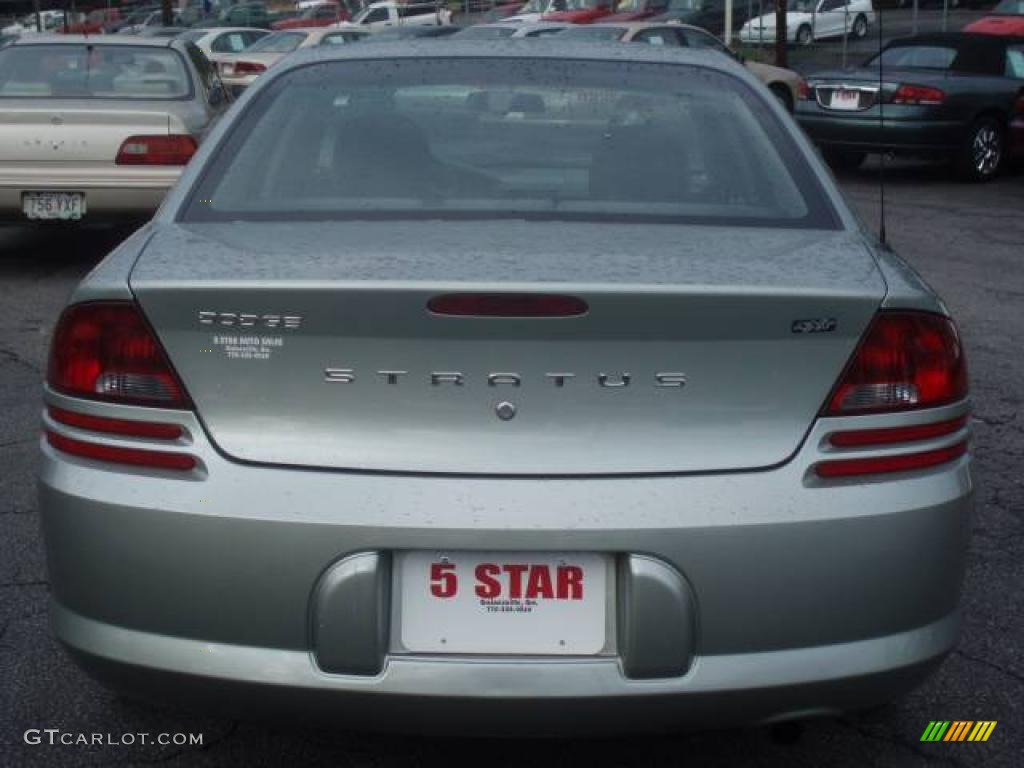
987,150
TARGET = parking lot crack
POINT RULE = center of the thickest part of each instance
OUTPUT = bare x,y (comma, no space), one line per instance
11,356
19,584
992,665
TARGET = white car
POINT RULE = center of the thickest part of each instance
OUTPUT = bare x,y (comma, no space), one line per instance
530,13
223,39
26,25
809,20
383,15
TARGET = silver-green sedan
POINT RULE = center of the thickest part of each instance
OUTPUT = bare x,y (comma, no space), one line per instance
507,386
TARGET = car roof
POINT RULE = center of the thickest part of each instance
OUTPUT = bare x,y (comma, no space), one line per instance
151,42
555,47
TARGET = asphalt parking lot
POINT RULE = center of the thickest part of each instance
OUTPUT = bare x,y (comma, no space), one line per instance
968,241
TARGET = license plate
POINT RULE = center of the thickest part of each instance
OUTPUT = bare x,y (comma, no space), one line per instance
53,205
842,99
503,602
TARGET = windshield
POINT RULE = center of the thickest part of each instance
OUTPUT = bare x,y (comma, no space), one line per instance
535,6
485,138
594,33
93,72
193,35
684,5
916,57
1010,8
800,6
279,42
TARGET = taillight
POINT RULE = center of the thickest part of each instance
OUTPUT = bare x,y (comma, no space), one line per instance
906,361
880,465
866,438
122,427
803,90
173,149
136,457
918,94
249,67
107,351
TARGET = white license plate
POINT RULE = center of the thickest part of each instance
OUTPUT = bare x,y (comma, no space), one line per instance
503,602
53,205
845,99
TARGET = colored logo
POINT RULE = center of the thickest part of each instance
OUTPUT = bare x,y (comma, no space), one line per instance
958,730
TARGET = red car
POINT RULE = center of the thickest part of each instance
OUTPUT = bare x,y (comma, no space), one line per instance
636,10
94,22
1007,20
579,11
318,16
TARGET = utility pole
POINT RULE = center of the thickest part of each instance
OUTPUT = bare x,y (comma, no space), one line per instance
166,15
728,23
39,15
780,33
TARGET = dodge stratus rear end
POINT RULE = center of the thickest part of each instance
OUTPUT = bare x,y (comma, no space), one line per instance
510,385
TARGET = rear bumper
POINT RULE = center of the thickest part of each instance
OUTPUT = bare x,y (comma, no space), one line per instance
865,132
510,695
109,190
790,597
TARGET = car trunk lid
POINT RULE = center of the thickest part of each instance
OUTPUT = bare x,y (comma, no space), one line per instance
61,133
702,349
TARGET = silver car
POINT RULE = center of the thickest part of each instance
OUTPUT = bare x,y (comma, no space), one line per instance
520,384
99,127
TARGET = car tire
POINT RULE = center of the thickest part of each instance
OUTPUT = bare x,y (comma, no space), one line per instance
844,159
860,27
981,155
804,35
781,92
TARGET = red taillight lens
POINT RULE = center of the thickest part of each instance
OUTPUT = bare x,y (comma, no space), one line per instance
803,90
249,67
507,305
861,438
881,465
106,351
123,427
907,360
134,456
918,94
175,149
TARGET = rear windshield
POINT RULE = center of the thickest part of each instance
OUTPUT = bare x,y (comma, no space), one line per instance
593,33
1010,8
917,56
485,138
92,72
280,42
